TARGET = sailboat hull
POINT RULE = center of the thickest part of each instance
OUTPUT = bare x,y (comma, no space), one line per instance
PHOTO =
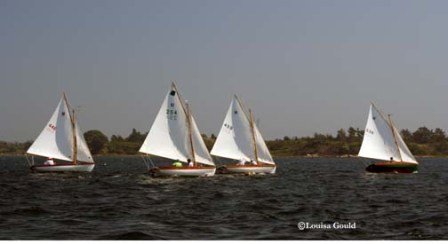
80,167
251,169
388,167
183,171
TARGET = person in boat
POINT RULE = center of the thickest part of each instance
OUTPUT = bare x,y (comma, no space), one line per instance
49,161
253,162
190,163
242,162
177,163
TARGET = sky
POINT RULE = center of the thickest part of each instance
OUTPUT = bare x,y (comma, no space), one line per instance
301,66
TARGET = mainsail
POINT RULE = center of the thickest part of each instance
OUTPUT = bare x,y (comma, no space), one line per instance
57,141
235,139
383,141
169,134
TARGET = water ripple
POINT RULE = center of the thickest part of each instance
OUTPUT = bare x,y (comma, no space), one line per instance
119,201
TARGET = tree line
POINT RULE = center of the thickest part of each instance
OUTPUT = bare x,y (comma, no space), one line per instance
422,141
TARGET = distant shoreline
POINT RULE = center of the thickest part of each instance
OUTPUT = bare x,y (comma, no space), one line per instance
423,142
275,156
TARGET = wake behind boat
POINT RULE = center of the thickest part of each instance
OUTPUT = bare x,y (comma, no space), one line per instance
240,139
382,141
63,140
174,135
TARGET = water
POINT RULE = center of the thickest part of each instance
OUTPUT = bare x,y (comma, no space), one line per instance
118,201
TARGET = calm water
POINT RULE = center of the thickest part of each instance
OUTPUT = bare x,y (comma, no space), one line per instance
118,201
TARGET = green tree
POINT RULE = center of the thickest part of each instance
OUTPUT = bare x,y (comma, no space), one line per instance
438,135
422,135
407,135
116,138
352,134
136,136
96,140
341,135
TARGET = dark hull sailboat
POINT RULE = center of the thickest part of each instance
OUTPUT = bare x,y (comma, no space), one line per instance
382,141
392,167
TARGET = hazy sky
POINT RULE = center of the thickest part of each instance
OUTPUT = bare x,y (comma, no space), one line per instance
302,66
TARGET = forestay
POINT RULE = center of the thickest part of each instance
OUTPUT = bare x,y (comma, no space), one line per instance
56,139
382,141
235,139
168,136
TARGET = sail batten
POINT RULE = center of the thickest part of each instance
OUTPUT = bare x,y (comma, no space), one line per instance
169,134
382,140
236,138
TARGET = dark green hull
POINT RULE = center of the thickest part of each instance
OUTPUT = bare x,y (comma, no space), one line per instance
387,167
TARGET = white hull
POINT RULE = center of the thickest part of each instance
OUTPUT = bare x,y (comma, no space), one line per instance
64,168
251,169
185,171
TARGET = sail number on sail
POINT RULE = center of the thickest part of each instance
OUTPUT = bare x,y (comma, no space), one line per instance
52,127
228,126
171,113
370,131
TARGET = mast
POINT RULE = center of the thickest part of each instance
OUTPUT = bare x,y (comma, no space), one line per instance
253,136
190,137
252,127
391,125
186,109
73,123
75,141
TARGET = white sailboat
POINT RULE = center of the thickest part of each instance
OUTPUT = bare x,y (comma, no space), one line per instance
62,139
382,141
240,139
175,135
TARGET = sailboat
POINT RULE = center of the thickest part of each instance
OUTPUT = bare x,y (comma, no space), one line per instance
382,141
240,139
174,135
62,139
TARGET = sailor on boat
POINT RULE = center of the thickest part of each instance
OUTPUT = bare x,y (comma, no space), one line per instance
242,162
178,164
190,163
49,161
